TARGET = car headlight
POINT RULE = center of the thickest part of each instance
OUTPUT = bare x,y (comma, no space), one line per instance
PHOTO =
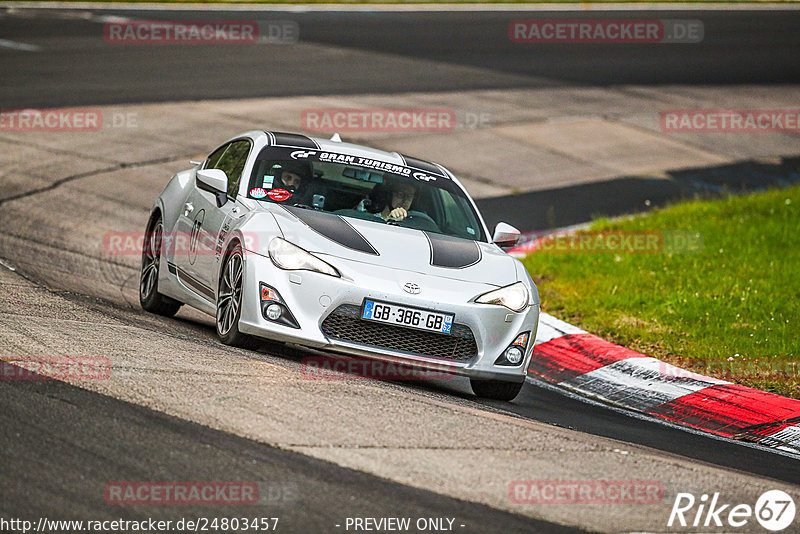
290,257
514,297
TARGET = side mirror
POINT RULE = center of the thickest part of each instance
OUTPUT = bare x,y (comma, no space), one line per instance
505,235
214,181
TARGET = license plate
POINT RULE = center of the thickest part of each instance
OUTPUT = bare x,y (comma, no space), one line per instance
383,312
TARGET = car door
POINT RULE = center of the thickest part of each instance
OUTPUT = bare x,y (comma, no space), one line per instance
203,220
183,248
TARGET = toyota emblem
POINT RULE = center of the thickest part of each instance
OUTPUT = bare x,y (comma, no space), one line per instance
411,288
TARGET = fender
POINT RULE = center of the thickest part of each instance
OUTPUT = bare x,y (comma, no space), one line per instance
254,231
174,196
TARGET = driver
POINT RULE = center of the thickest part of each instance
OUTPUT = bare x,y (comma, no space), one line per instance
296,178
401,195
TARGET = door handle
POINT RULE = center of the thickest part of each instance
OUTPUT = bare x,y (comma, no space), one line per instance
187,209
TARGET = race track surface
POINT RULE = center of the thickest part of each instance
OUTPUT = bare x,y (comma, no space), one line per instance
384,52
180,406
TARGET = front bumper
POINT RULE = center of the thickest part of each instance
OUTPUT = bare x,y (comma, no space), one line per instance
313,297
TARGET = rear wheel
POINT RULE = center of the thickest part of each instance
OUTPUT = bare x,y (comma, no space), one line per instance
496,389
149,297
229,301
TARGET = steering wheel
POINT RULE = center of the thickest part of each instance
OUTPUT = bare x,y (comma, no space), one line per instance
417,220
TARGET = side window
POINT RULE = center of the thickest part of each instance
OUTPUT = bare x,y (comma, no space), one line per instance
211,162
232,162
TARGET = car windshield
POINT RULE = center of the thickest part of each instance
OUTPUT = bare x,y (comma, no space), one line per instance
365,189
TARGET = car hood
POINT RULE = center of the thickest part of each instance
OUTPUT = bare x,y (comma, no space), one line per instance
396,247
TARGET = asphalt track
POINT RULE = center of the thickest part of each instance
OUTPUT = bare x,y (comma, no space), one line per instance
66,477
77,67
83,439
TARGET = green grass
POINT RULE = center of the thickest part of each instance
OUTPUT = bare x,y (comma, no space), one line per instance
731,309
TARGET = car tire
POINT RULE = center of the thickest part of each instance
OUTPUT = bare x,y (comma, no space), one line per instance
229,301
149,297
496,389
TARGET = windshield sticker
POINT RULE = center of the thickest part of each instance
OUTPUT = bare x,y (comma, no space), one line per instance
337,158
423,172
279,195
302,154
423,176
258,192
369,163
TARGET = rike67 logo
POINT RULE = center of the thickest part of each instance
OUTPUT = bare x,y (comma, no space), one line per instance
774,510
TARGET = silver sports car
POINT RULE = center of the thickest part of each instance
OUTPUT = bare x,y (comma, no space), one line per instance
344,248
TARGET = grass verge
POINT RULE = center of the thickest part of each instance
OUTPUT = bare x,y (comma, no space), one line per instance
724,304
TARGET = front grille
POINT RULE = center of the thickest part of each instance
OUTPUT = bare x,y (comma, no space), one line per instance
345,323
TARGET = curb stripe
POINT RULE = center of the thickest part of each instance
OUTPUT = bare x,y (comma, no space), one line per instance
551,328
572,355
582,363
789,436
639,383
731,410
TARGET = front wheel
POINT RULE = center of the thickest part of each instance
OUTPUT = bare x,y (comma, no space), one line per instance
496,389
149,297
229,301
